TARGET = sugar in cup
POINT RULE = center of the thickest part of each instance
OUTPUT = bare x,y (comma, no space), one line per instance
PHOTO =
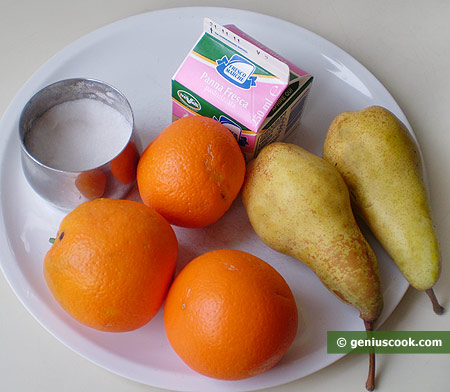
78,142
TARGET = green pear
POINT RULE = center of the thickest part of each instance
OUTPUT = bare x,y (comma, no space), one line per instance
381,165
299,205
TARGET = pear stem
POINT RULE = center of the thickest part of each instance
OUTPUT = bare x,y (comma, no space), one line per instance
370,383
438,309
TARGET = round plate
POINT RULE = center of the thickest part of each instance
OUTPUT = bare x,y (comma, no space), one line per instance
138,56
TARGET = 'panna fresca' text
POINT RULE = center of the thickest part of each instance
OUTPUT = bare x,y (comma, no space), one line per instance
227,92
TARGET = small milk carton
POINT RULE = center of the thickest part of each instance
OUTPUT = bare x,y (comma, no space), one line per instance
255,93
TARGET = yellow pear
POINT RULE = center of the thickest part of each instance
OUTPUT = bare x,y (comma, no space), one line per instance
381,165
299,205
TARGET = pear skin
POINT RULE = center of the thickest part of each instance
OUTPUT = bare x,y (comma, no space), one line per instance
299,205
381,165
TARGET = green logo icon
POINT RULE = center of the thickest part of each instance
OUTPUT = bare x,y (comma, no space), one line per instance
189,100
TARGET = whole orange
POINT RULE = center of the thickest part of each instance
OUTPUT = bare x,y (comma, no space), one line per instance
192,172
111,264
230,315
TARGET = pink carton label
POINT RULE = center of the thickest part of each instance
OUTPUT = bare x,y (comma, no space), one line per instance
234,75
230,77
249,106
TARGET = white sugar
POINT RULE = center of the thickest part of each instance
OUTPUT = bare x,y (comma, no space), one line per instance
78,135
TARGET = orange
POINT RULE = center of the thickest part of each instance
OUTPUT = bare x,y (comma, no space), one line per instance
230,315
111,264
192,172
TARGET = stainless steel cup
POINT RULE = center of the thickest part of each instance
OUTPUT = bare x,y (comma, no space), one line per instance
67,189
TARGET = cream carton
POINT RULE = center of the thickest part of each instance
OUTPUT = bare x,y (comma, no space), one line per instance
255,93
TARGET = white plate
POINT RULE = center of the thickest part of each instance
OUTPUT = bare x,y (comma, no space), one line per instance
139,55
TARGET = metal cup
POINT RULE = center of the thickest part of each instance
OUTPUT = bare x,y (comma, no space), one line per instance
67,189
